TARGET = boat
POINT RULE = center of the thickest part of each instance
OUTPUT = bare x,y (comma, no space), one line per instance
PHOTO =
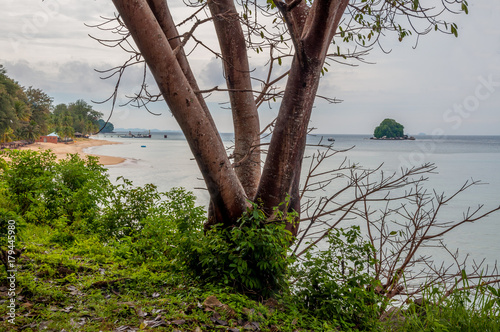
331,139
138,135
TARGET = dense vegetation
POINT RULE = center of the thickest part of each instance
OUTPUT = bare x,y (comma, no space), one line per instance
24,113
27,113
94,255
390,129
77,117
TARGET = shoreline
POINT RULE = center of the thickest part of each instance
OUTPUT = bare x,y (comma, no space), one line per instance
61,150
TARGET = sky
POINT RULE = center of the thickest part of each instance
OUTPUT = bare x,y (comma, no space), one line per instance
444,86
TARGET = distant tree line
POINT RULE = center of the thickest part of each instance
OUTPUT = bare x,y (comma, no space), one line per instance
77,117
28,113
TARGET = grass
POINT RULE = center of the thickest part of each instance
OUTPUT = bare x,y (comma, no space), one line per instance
84,286
81,285
463,310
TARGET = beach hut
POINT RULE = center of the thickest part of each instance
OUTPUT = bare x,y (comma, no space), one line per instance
50,138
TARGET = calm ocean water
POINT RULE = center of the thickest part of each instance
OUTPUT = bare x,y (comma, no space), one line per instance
168,163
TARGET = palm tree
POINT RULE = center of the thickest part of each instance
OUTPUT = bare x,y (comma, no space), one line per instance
30,132
8,135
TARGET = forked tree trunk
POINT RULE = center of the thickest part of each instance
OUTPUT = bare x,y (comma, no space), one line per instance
311,29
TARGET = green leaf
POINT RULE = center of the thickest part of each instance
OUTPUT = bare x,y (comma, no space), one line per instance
415,4
465,8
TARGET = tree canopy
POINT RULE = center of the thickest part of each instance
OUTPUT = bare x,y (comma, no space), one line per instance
24,112
389,128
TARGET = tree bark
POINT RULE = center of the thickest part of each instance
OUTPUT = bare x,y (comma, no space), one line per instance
227,195
164,17
237,73
284,161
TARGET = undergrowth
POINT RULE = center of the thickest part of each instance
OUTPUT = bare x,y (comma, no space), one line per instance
90,255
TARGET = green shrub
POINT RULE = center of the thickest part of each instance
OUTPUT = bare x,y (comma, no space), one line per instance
167,229
125,209
153,237
41,190
252,257
27,178
334,283
79,187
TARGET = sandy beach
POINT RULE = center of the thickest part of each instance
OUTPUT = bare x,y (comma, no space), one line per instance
62,149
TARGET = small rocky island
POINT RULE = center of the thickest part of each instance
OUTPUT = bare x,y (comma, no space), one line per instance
390,129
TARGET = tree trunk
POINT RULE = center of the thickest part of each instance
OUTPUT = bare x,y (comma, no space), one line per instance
283,165
237,73
312,30
227,194
167,24
284,159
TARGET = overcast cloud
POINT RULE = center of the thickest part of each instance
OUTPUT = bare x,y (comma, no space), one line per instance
447,84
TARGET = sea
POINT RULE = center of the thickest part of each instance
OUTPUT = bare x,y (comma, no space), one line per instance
166,161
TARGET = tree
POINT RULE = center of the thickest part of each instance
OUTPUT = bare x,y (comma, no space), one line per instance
8,135
24,113
299,34
29,132
40,104
389,128
66,129
24,130
12,106
84,117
